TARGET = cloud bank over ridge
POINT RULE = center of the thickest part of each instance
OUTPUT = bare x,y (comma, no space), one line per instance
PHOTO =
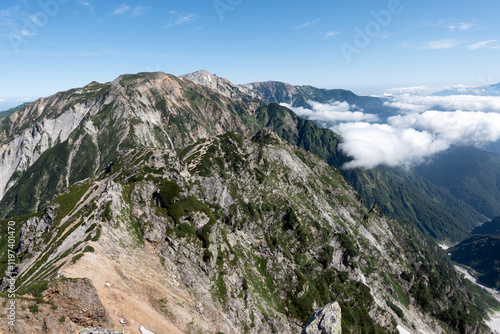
427,125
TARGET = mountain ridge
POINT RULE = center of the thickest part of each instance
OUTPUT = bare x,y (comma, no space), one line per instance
149,103
245,108
222,198
485,90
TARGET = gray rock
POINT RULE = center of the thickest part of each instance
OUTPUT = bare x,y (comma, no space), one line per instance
326,320
99,330
32,231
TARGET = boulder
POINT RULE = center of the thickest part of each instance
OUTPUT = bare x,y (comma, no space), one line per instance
326,320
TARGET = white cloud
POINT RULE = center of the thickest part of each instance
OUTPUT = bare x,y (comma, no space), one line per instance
332,112
27,33
412,103
307,24
415,135
179,19
409,140
84,3
123,8
9,11
454,127
37,20
371,145
139,11
2,100
331,34
483,44
461,26
441,44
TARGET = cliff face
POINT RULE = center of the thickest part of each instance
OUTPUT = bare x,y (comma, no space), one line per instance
231,235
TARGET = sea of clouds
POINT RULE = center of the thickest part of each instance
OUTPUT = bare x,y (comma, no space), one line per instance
426,125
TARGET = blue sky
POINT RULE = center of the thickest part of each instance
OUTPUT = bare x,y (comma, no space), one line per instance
52,45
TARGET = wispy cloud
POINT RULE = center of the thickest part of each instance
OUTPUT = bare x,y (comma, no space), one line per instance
26,33
2,100
178,19
88,5
307,24
139,11
37,20
122,9
126,9
9,11
9,18
84,3
441,44
461,26
331,34
484,44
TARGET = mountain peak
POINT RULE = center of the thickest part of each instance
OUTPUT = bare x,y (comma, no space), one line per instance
199,73
218,84
204,78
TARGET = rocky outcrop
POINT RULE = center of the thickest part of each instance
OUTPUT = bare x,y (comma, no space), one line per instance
326,320
68,304
78,300
33,230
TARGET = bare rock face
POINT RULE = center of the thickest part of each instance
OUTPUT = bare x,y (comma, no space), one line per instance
78,299
33,230
221,85
326,320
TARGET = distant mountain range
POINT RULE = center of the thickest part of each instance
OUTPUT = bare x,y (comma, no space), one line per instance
9,112
488,90
298,96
